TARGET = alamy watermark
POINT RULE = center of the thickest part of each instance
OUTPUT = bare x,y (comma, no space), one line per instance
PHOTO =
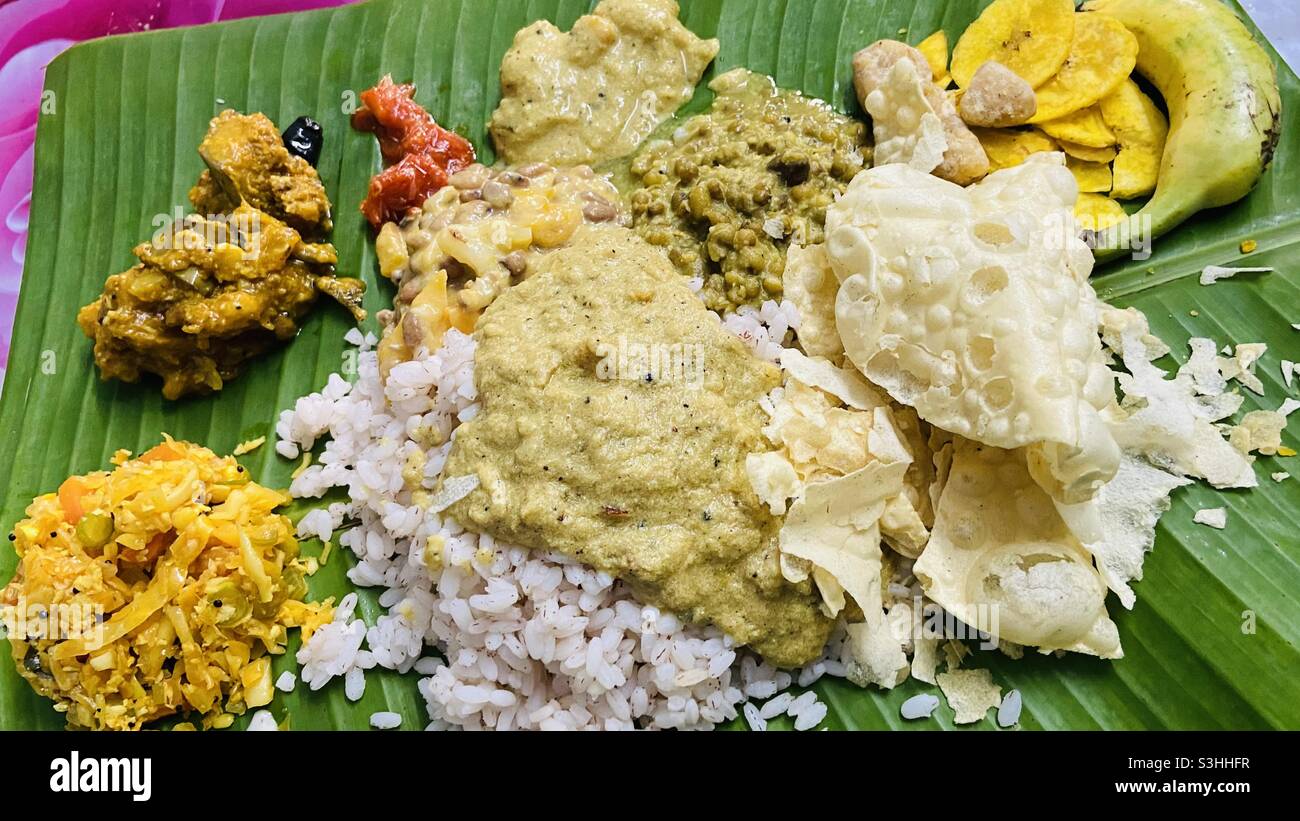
193,232
73,773
651,362
34,621
1132,233
930,621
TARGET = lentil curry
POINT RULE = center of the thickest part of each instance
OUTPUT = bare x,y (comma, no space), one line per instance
735,185
474,238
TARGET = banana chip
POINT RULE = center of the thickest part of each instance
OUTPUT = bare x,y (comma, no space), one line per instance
935,50
1084,127
1140,129
1006,147
1084,152
1094,212
1030,37
1102,56
1093,177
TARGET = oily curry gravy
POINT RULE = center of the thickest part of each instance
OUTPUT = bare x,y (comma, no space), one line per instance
594,93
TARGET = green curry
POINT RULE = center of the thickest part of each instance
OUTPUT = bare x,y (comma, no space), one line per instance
735,185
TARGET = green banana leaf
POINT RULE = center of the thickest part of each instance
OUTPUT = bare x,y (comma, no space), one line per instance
1212,641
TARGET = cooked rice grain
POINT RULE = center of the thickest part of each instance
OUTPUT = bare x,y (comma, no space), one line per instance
529,640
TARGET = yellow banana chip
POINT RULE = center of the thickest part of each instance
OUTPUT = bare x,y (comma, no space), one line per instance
1092,177
1087,152
1096,212
1140,129
1102,56
1084,127
1006,147
935,50
1030,37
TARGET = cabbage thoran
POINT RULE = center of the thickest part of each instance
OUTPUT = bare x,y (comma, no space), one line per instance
163,587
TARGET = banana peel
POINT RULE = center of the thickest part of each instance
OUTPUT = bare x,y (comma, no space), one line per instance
1220,88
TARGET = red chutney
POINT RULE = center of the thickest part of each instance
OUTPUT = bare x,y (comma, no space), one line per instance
420,154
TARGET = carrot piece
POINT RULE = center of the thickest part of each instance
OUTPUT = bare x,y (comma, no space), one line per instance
70,493
161,452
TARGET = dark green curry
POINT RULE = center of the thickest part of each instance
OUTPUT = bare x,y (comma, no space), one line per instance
735,185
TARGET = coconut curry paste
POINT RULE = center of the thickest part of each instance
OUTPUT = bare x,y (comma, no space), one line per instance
595,92
616,417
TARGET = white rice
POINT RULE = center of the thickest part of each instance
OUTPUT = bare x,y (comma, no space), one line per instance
528,640
1009,709
811,716
776,706
285,683
354,684
335,648
801,703
385,721
263,721
921,705
764,330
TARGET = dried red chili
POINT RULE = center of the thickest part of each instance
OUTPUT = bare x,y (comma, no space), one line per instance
421,155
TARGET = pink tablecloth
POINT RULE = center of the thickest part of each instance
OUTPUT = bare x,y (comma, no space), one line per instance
32,32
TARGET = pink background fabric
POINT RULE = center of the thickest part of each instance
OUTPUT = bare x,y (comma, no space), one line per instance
33,32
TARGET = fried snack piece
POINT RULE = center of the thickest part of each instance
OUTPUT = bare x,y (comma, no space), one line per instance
1097,212
1103,55
935,50
1084,127
1008,147
247,162
964,160
1030,37
905,126
1140,129
1084,152
1092,177
997,97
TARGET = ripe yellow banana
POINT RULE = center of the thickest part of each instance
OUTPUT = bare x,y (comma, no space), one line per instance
1225,111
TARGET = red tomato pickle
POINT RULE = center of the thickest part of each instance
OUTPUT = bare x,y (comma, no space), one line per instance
419,154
